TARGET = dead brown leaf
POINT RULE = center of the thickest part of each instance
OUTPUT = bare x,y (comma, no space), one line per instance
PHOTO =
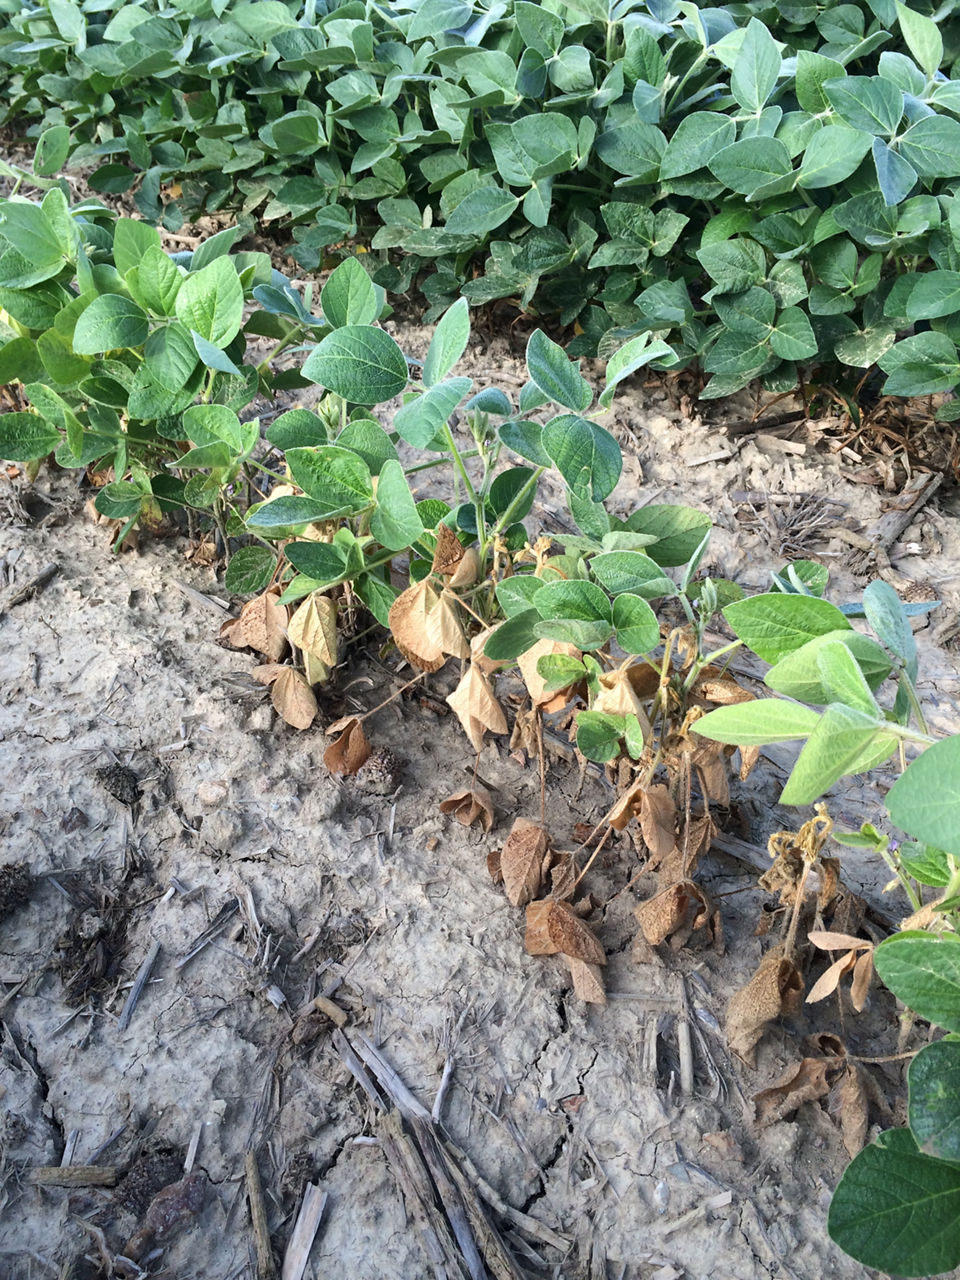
711,765
351,749
854,1108
470,805
563,876
476,707
527,662
448,552
774,991
658,820
262,625
467,571
552,926
748,758
857,956
493,866
444,629
682,904
293,698
587,980
723,692
521,861
803,1082
411,633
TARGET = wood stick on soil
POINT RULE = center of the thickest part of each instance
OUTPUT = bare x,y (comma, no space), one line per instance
74,1175
139,982
266,1267
304,1233
15,595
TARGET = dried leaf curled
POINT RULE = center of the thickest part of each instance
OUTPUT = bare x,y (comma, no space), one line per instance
803,1082
521,860
670,910
448,552
476,707
470,805
587,980
351,749
774,991
553,926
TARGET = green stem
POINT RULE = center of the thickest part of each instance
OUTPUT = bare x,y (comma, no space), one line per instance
271,355
904,882
507,518
914,701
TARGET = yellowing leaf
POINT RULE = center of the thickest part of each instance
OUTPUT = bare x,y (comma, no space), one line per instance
313,629
444,629
293,698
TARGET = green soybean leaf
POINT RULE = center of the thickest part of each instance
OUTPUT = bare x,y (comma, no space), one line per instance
25,436
934,1106
832,155
866,102
395,523
923,38
885,613
513,637
349,297
586,455
555,374
756,68
925,800
844,741
360,363
53,147
366,437
792,336
250,569
480,212
449,340
559,671
633,355
635,624
923,970
697,138
750,164
324,562
630,572
599,735
935,294
131,240
210,301
813,71
678,531
798,674
423,416
297,427
924,863
515,595
336,477
110,321
754,724
931,146
842,679
897,1210
157,282
773,625
526,439
920,365
896,177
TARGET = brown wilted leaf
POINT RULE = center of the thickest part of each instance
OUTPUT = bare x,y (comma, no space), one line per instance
448,552
293,698
803,1082
467,571
262,625
587,980
626,808
644,679
784,876
524,734
313,630
351,749
858,956
493,866
829,872
774,991
723,692
553,926
748,759
710,763
670,910
267,672
658,819
470,805
854,1108
521,861
476,707
618,698
444,629
527,662
563,876
408,624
